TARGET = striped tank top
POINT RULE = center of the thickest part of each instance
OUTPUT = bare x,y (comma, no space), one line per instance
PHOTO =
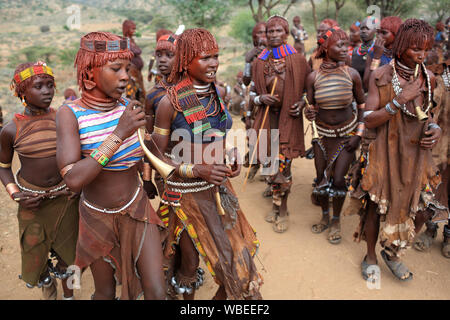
35,135
333,90
94,126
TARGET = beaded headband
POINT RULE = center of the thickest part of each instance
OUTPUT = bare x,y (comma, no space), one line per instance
168,37
29,72
328,34
105,45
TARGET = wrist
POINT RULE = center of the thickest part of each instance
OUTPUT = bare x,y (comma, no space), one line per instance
12,188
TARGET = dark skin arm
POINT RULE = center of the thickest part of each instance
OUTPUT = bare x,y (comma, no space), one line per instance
358,94
28,200
213,173
69,149
379,116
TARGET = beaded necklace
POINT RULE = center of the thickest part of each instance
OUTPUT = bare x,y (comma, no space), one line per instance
398,89
445,78
365,49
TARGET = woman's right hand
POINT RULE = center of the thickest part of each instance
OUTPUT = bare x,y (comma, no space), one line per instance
378,48
132,119
269,100
28,200
410,91
212,173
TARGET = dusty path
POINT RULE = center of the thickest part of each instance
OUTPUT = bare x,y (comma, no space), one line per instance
297,264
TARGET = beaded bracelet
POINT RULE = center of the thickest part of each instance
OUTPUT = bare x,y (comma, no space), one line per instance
186,170
99,157
110,145
389,109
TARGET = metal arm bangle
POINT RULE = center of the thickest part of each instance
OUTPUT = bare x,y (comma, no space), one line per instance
434,126
389,109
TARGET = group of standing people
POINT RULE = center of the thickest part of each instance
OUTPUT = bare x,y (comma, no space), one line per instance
85,176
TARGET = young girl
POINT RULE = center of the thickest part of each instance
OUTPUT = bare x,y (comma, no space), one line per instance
48,214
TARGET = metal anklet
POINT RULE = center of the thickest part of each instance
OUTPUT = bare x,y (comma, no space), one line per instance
188,289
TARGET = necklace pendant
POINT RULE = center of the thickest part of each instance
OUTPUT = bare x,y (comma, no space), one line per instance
365,57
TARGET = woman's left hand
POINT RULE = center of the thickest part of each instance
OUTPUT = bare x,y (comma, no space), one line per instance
432,137
233,156
353,143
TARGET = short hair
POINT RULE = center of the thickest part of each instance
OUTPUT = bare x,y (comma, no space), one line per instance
274,20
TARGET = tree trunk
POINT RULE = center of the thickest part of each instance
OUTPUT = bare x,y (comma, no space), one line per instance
314,13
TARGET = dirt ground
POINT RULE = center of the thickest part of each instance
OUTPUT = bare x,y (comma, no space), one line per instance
295,265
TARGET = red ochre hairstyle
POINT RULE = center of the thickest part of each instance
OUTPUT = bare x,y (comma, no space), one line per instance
86,60
412,31
440,26
190,44
162,32
166,42
256,27
336,35
274,20
391,23
355,26
127,26
332,23
19,89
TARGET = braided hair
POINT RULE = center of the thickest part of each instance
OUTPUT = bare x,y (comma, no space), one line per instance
412,31
190,44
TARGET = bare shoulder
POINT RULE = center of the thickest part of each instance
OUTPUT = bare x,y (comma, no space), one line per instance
8,132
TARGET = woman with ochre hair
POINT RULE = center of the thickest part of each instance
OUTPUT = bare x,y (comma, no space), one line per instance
98,153
331,90
398,180
204,216
48,211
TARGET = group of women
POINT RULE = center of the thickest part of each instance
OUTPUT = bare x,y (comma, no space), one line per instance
85,174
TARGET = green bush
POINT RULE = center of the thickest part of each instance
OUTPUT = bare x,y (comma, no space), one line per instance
241,26
67,56
35,53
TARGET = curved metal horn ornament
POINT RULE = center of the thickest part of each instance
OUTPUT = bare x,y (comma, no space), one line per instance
164,169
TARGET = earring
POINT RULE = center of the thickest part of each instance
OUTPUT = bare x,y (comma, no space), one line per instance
23,102
89,85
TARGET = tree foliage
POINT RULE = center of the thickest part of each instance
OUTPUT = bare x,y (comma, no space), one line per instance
201,13
242,25
401,8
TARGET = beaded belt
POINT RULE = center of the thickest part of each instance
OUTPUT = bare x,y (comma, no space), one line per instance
22,188
339,132
111,211
189,187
